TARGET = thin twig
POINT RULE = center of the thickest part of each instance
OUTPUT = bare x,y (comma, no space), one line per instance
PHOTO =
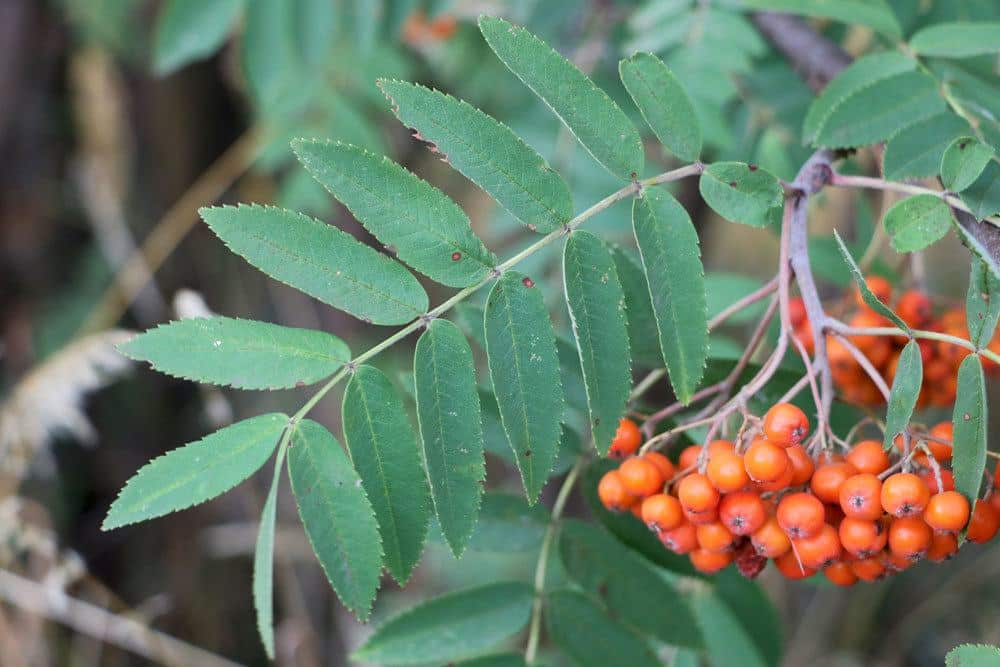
89,619
865,364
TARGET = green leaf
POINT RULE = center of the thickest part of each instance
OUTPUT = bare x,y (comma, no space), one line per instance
664,104
589,636
959,39
596,308
752,608
498,660
722,289
866,294
450,627
196,472
983,196
586,110
190,30
905,390
450,428
267,50
507,524
982,303
875,14
727,640
487,152
971,427
320,260
427,229
862,73
963,161
973,655
384,452
878,111
626,529
244,354
742,193
263,563
916,222
643,339
685,658
915,152
337,515
634,593
671,259
524,368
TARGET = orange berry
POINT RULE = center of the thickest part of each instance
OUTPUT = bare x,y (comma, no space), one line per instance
765,461
662,512
699,518
869,456
791,568
819,550
785,425
869,569
943,546
742,512
947,511
834,515
910,537
613,494
801,464
689,457
860,497
984,523
682,539
627,439
770,540
904,494
636,510
726,472
828,478
840,574
782,482
897,563
862,538
879,286
717,447
941,432
697,494
714,536
797,311
930,479
800,515
914,307
665,465
641,477
710,562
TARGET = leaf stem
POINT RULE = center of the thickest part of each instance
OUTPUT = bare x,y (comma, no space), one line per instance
534,632
622,193
846,181
836,326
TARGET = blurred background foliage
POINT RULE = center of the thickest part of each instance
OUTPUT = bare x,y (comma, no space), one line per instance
118,118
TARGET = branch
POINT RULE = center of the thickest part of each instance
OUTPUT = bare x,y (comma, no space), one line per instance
815,58
101,624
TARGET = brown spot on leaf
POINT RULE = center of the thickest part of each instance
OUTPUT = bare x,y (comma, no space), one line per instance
455,256
966,416
527,453
527,282
300,383
732,184
752,167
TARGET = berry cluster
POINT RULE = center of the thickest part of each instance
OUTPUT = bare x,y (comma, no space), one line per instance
940,359
860,515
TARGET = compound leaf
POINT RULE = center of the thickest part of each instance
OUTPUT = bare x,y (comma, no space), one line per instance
597,312
336,514
453,626
916,222
196,472
320,260
425,227
451,428
742,193
524,369
664,104
487,152
671,259
586,110
384,451
244,354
